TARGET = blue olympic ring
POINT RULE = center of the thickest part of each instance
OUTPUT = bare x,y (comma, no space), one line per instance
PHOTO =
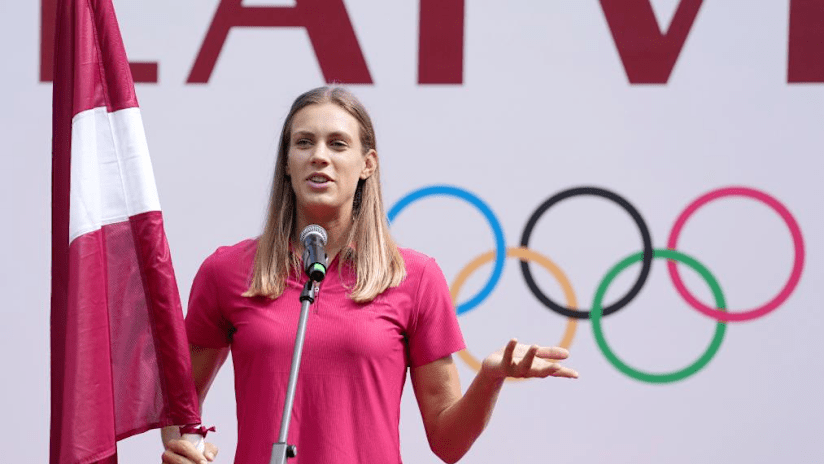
497,230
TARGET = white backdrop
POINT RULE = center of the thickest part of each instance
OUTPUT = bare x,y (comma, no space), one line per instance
545,105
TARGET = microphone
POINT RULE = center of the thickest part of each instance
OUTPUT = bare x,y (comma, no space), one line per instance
313,238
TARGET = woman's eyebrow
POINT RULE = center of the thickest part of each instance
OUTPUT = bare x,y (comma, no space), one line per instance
340,134
303,133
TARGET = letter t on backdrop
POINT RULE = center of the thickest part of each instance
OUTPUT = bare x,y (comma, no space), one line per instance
119,357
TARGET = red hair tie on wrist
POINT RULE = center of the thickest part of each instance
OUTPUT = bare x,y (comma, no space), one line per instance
196,429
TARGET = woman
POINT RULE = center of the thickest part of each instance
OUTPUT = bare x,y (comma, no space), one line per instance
380,310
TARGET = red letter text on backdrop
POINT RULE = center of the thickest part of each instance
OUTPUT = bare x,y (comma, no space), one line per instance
440,47
806,54
141,72
648,55
326,22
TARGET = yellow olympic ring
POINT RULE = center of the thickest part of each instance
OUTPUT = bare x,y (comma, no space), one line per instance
524,254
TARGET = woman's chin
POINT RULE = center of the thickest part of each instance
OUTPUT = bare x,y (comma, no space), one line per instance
320,209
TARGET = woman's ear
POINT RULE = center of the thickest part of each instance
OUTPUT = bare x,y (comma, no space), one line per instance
370,164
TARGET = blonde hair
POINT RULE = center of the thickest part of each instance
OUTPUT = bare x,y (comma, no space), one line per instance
371,252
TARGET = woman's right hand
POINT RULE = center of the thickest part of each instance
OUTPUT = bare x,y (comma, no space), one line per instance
180,451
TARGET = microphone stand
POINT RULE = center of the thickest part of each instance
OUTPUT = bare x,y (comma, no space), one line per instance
281,450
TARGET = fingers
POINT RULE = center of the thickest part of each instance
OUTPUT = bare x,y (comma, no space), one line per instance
525,365
170,457
541,368
544,352
509,353
552,352
557,370
518,360
181,451
210,451
535,361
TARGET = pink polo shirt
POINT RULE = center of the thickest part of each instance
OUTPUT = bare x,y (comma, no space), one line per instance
347,404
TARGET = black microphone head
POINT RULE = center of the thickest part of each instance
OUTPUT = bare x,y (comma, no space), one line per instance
313,229
313,239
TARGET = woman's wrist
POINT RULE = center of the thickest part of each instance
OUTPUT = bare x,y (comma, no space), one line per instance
168,433
490,378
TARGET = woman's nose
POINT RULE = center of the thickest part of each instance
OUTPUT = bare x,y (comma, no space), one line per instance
320,155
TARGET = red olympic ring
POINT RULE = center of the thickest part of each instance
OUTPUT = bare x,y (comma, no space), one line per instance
795,275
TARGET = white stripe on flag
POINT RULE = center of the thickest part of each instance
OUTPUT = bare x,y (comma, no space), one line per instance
112,176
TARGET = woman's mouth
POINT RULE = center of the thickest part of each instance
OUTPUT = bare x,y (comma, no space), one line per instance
318,181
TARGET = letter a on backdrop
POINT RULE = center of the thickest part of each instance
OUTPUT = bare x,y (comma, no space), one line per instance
120,362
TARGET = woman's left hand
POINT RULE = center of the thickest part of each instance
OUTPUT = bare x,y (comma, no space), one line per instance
525,361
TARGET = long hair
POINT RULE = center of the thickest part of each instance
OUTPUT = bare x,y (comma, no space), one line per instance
370,251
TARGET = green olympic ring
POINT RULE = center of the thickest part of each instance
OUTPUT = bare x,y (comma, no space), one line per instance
715,344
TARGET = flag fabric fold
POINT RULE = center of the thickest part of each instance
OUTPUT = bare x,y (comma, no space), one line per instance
120,361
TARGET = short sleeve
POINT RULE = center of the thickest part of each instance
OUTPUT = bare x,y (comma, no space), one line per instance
435,332
205,324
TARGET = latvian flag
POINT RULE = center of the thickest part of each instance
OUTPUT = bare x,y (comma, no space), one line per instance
120,361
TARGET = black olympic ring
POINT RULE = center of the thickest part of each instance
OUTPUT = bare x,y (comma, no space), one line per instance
646,262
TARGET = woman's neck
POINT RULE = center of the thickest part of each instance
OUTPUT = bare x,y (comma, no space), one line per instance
337,231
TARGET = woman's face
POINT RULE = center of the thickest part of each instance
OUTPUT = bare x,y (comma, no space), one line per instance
325,161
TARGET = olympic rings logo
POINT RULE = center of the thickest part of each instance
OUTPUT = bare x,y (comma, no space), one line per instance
597,311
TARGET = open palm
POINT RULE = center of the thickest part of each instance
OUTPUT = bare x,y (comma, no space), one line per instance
524,361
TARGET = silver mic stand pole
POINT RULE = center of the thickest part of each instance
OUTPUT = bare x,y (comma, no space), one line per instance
281,451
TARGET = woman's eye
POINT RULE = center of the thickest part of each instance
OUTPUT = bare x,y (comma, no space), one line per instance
339,144
303,142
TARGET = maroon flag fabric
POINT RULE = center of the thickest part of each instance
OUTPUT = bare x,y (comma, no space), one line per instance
120,361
